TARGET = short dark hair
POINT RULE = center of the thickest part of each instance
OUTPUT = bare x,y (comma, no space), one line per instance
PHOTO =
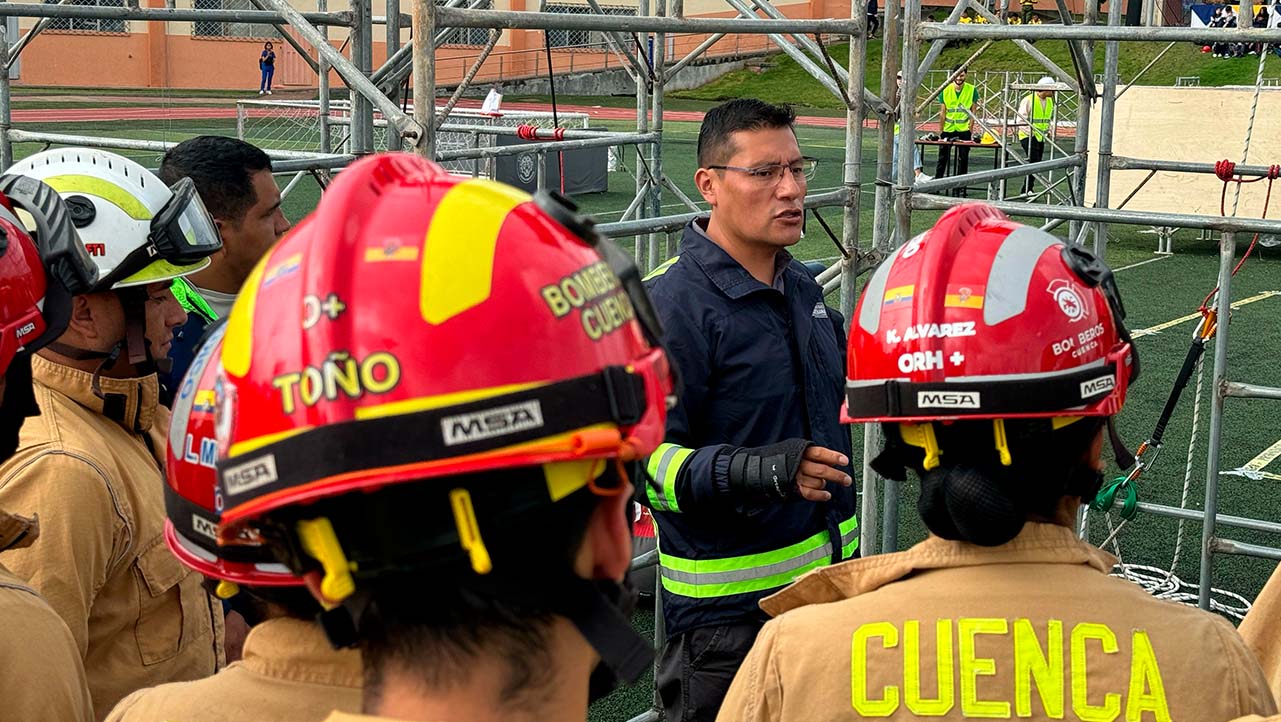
714,142
222,169
430,614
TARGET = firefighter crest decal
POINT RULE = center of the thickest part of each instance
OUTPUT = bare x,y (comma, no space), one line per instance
1068,300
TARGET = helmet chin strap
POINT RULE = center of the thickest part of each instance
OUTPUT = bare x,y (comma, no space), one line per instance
133,301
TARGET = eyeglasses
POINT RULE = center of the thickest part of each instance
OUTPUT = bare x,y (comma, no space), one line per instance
771,174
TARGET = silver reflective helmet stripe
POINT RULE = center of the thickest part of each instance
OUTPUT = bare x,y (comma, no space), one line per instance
869,317
1011,273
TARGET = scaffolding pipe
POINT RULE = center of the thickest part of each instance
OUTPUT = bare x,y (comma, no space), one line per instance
936,47
1199,516
443,115
177,15
795,53
1082,145
996,174
1182,166
518,20
1025,46
156,146
1200,36
1134,81
1231,546
6,112
643,182
1251,391
1227,253
627,229
907,118
325,162
356,80
548,147
424,64
393,26
322,88
362,52
618,44
25,40
656,126
1107,215
1107,120
693,55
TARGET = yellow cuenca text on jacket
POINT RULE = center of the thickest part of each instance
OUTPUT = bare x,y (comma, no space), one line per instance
596,291
1052,664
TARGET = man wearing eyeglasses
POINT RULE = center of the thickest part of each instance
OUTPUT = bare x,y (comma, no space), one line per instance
752,486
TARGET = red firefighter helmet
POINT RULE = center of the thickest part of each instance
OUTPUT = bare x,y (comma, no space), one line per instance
191,498
22,290
984,318
37,279
418,325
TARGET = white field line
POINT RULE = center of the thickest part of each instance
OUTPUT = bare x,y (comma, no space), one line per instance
1193,316
1141,263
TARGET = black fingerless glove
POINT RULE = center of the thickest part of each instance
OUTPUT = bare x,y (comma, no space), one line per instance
767,473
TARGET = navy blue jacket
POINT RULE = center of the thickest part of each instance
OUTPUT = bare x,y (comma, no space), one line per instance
758,366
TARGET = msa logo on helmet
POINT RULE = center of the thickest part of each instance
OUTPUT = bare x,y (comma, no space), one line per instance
250,475
204,527
501,421
948,399
1094,387
26,330
1068,300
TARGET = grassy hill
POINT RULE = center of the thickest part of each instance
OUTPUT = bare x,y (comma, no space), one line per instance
783,80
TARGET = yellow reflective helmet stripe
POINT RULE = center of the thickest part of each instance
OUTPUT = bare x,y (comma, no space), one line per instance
458,254
160,270
104,189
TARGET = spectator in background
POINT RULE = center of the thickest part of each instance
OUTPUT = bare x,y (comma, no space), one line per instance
1029,6
267,65
873,22
917,165
1260,21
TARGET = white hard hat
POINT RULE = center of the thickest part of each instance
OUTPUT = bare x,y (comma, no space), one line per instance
136,229
1045,80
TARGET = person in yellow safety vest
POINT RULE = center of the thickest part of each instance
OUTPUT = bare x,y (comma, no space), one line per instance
1036,112
1003,612
958,101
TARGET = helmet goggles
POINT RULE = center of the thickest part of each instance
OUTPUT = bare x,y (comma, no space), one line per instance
182,234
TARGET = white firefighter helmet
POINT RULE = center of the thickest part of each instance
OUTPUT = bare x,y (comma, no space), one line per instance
136,229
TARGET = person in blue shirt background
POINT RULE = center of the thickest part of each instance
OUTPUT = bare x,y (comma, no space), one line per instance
267,65
752,486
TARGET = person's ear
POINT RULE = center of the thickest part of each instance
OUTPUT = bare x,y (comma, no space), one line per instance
84,317
607,547
705,181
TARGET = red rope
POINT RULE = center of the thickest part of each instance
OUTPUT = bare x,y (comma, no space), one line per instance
1226,171
531,132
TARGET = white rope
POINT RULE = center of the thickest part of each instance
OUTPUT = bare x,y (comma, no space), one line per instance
1187,468
1249,129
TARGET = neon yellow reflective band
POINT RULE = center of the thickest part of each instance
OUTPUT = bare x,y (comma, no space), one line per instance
708,578
118,196
847,528
662,268
190,299
663,469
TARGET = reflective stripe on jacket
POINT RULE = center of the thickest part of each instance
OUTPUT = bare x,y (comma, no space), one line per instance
957,103
758,366
1039,117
